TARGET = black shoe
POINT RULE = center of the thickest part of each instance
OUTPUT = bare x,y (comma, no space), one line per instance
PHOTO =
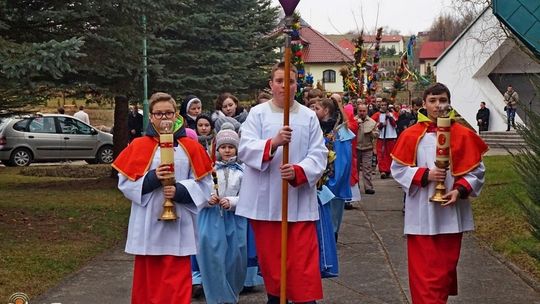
247,289
370,191
383,175
197,291
272,299
348,206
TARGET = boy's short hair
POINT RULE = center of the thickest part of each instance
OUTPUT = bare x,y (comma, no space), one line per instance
159,97
436,89
314,93
281,66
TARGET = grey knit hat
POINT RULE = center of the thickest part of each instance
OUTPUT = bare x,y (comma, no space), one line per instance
227,135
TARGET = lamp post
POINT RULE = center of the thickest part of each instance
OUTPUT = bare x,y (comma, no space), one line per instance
145,79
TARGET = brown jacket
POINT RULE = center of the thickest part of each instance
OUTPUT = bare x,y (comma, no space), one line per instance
367,133
511,99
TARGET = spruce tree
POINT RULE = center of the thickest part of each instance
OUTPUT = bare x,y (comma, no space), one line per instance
80,46
527,164
218,46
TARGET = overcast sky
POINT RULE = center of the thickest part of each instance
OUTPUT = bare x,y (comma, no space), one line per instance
341,16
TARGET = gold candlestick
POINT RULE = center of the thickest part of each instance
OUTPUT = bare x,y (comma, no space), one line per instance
442,158
166,143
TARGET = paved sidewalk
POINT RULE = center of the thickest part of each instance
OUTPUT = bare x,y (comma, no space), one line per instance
373,266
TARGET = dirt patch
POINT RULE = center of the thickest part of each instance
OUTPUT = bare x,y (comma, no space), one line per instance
21,225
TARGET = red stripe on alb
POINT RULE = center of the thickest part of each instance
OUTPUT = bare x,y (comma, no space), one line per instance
463,182
417,179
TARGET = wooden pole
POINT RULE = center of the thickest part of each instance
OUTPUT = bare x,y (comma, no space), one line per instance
284,183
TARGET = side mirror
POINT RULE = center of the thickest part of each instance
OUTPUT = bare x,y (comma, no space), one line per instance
94,131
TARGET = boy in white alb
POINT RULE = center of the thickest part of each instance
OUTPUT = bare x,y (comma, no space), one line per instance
262,136
434,230
162,249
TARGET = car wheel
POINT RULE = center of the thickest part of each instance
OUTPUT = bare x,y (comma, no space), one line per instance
21,157
105,155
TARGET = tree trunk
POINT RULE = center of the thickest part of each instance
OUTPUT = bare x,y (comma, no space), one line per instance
120,128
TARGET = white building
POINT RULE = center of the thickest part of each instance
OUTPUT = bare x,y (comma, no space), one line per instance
323,59
480,64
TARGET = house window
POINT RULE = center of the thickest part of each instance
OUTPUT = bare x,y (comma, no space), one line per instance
329,76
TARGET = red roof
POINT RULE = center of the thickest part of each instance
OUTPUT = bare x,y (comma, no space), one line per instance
433,49
320,49
346,44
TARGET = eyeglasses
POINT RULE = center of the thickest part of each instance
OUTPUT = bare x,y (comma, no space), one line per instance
161,115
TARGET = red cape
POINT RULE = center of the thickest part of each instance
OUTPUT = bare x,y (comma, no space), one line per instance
466,147
135,160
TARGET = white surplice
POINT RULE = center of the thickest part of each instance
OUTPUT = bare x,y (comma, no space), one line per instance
260,193
423,217
147,235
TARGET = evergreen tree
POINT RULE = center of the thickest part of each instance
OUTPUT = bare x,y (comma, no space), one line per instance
84,46
218,46
527,164
94,47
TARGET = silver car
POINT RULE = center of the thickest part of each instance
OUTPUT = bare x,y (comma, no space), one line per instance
52,137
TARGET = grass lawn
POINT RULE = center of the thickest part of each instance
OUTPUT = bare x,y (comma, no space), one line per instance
52,226
500,224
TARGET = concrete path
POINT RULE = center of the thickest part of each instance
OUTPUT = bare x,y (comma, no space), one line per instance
373,266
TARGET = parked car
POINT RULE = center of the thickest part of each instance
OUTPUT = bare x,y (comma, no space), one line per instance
52,137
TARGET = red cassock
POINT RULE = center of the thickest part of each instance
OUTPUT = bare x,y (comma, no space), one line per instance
303,274
160,279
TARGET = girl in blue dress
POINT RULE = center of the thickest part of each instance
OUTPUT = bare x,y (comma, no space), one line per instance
222,253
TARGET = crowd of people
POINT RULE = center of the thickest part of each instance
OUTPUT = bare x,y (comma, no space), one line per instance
228,171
